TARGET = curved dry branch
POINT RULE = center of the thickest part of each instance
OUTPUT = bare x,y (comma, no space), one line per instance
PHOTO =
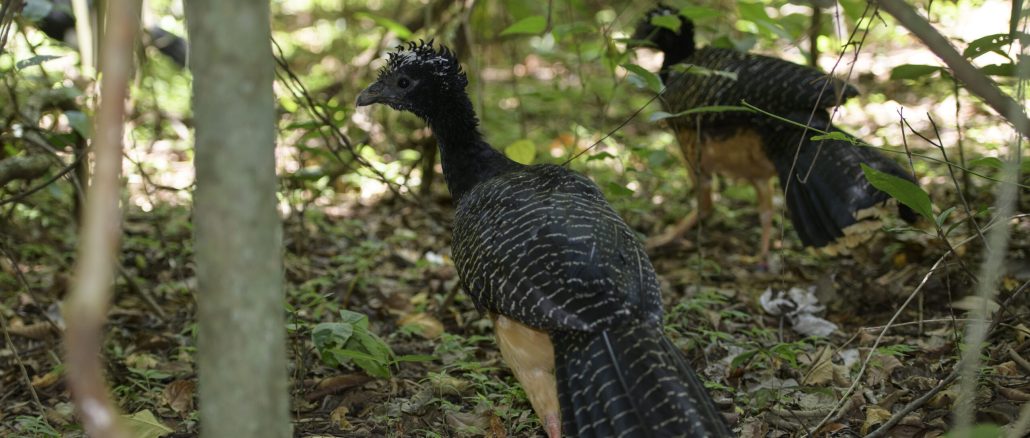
976,82
100,234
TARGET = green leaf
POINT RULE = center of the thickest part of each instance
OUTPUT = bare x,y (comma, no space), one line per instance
992,162
34,61
703,71
993,43
913,71
143,424
415,358
617,189
833,135
944,216
671,22
531,25
660,115
600,156
697,13
653,82
79,122
328,334
903,190
397,28
354,318
1005,70
978,431
522,151
36,10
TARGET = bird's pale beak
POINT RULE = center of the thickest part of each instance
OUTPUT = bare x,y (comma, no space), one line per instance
370,95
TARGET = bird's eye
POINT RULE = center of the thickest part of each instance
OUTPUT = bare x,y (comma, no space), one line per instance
403,82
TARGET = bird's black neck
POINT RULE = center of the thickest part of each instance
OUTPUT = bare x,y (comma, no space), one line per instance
677,52
466,158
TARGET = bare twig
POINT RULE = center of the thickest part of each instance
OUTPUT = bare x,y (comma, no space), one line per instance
98,248
976,82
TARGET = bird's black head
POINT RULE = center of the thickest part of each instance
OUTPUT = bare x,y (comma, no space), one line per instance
417,78
679,42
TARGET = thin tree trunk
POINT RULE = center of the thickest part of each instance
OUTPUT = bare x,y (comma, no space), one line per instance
238,240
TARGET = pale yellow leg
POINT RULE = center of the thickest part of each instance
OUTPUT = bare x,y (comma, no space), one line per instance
764,191
530,355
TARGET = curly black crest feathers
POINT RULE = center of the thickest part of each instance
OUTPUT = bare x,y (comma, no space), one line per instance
422,56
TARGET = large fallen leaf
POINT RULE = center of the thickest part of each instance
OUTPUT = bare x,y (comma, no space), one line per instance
874,417
144,425
424,324
821,372
178,395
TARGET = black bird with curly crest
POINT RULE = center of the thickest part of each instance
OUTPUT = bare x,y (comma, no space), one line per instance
575,301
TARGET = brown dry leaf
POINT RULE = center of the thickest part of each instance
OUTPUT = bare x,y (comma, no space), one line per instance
339,417
496,427
880,367
425,325
874,416
821,372
1022,333
46,380
468,422
445,384
37,331
944,399
178,395
1008,369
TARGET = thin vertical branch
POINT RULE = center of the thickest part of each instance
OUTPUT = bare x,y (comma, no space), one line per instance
84,35
100,236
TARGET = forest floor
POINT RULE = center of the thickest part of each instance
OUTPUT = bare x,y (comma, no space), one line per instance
389,260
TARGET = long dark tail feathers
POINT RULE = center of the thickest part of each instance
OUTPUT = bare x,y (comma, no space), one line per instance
827,194
630,381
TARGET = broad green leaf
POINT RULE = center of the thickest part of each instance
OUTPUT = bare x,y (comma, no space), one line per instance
670,22
651,80
35,10
144,425
903,190
397,28
1005,70
913,71
617,189
992,162
697,13
331,333
34,61
79,122
354,318
531,25
993,43
522,151
372,365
